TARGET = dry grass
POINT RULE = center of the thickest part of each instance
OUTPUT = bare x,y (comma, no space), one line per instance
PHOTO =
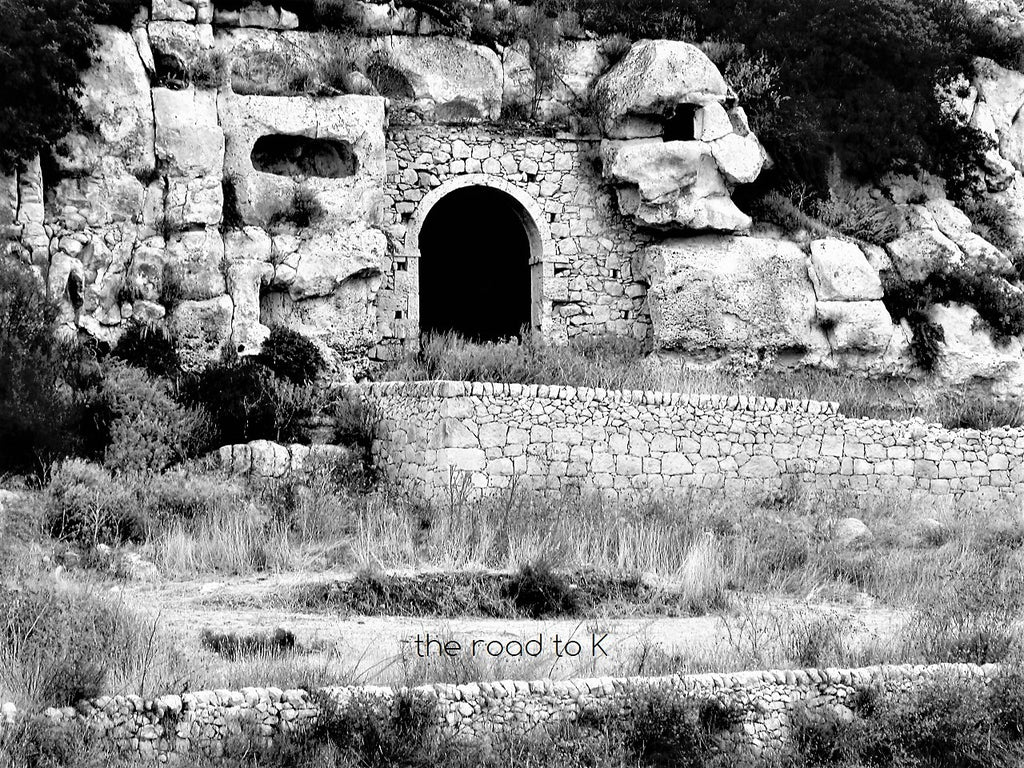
618,363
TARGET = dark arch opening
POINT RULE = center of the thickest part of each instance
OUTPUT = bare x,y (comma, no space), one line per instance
287,155
475,265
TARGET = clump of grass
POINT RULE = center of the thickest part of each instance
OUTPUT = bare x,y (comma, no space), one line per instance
301,211
233,646
854,212
60,644
209,69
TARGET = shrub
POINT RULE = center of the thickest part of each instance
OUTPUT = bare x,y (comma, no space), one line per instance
33,414
149,347
234,646
999,305
133,424
788,210
854,212
239,396
538,591
59,645
246,401
385,731
291,356
44,45
87,506
181,495
663,727
995,223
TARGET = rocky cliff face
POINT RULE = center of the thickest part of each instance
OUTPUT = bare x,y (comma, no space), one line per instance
229,185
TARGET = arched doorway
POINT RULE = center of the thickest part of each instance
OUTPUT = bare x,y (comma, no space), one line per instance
477,247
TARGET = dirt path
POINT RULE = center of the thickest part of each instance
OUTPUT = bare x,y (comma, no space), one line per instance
372,646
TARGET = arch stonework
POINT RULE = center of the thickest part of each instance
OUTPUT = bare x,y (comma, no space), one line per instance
542,248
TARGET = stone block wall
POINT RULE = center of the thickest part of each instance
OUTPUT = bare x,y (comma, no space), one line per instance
172,728
585,283
619,443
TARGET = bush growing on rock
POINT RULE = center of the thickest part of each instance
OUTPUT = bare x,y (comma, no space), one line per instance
45,45
291,356
150,348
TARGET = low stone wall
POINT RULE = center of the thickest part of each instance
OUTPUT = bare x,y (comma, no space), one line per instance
217,722
560,439
263,458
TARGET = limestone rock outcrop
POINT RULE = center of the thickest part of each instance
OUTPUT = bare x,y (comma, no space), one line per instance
647,86
713,295
355,124
671,184
674,150
443,78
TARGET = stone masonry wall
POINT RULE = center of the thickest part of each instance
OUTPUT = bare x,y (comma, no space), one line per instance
588,284
619,443
215,723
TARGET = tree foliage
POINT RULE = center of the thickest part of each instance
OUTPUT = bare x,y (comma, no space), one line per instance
45,45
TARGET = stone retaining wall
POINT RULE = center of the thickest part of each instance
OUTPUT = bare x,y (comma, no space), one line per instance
217,722
560,439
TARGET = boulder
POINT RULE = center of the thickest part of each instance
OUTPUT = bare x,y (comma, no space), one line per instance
849,531
146,272
715,294
970,356
855,326
637,95
658,169
133,567
740,158
201,329
671,185
1002,91
262,62
194,264
922,251
840,272
577,64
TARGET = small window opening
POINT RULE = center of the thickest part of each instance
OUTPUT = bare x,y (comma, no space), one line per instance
680,124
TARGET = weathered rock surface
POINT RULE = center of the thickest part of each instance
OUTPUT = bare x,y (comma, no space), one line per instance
446,79
650,82
856,326
970,356
201,328
840,272
922,251
116,100
711,294
194,264
671,185
357,121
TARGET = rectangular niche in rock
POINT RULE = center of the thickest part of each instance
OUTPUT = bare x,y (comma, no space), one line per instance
302,156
